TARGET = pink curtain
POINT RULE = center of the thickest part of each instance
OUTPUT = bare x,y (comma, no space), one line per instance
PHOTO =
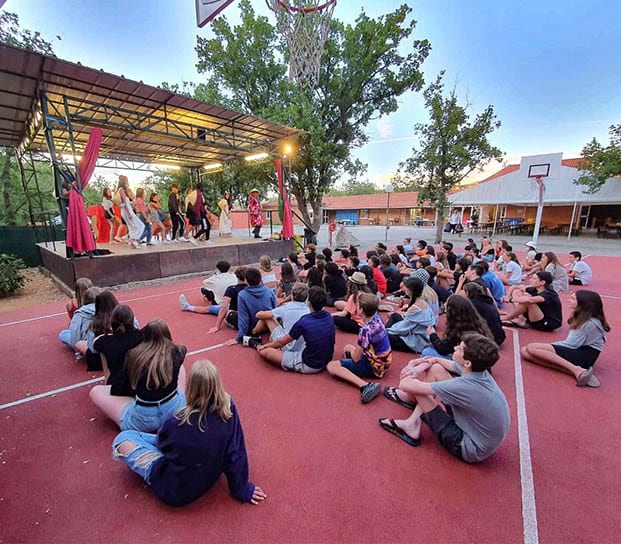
79,236
287,219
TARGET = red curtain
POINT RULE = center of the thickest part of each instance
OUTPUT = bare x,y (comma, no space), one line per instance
79,236
287,219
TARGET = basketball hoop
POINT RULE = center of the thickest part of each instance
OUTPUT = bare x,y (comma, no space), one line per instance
305,25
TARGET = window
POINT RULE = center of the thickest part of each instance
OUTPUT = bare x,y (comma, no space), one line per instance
325,216
364,214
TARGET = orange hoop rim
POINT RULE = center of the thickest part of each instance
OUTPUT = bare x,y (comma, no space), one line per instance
310,9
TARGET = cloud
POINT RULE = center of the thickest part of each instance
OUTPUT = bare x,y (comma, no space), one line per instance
385,128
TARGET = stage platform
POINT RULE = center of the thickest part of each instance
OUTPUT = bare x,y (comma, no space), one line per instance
128,265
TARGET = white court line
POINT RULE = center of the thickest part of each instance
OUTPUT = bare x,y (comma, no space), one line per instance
65,313
610,296
87,382
529,507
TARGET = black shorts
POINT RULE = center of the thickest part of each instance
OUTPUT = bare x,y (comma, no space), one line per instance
443,425
575,282
584,356
544,324
232,319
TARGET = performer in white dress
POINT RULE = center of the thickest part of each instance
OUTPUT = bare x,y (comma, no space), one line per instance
225,217
135,226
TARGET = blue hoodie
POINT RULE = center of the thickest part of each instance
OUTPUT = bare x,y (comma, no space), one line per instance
253,299
413,328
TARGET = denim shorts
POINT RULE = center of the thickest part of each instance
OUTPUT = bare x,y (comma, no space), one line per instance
141,459
149,419
362,368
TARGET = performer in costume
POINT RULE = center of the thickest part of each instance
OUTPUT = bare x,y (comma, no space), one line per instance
225,218
135,227
255,212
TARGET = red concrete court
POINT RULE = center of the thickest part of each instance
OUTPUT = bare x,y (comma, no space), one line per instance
330,472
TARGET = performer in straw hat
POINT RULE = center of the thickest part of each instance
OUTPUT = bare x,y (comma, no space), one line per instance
255,212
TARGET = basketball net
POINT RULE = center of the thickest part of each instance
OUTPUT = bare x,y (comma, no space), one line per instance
305,24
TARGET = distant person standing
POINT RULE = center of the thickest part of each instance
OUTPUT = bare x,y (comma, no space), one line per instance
454,221
225,215
255,212
175,214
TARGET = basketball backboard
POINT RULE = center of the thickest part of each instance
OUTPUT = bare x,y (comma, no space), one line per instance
541,166
207,10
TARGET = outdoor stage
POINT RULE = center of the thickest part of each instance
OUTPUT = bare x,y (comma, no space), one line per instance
127,264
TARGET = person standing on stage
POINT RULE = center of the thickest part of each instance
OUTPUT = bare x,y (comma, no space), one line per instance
255,212
175,215
225,217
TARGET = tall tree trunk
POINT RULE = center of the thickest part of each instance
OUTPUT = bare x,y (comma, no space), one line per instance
439,224
5,176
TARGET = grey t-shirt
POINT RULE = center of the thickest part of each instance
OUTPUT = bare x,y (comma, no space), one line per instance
480,410
591,334
288,314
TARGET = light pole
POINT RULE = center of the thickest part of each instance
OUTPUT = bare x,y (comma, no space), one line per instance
389,189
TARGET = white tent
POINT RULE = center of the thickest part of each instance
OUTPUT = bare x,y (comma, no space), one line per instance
516,188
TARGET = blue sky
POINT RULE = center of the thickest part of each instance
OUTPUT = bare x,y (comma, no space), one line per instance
550,67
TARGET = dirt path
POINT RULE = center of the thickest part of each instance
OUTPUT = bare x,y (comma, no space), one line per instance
38,289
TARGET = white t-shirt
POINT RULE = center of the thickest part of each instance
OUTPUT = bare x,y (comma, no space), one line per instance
516,272
583,272
454,220
218,284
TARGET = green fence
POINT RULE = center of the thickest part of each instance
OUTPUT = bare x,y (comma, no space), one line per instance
21,241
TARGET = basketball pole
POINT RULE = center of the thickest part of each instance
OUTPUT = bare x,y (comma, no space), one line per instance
539,210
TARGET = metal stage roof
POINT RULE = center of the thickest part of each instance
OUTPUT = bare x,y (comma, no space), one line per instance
140,122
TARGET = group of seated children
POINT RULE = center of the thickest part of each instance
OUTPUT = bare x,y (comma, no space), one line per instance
168,428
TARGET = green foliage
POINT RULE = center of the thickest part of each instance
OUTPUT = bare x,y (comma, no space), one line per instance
451,147
363,72
12,34
11,277
601,163
353,187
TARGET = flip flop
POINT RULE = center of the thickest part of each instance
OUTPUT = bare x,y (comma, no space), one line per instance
392,428
507,323
391,394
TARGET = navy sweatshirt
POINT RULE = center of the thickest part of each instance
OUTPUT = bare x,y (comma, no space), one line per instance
193,459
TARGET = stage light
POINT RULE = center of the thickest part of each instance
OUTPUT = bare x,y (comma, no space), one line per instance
214,166
257,156
287,149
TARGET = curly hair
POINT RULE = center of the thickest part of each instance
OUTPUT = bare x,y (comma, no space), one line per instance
461,318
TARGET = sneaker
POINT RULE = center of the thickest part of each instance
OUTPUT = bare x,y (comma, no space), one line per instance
593,381
208,243
193,241
246,341
184,304
369,392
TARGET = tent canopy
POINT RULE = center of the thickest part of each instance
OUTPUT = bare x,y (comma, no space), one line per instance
516,188
140,122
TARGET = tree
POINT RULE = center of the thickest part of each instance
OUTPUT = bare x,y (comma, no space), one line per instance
451,147
601,163
12,34
353,187
362,75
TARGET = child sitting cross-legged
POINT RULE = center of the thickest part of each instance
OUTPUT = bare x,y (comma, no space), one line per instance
370,357
469,414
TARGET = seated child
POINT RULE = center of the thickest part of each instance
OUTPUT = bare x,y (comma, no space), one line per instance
537,306
194,446
77,334
469,414
580,272
80,287
370,357
317,329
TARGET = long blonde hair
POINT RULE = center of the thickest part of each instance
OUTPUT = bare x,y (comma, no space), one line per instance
266,263
80,287
154,355
205,393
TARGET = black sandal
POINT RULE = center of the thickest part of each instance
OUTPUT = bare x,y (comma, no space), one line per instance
391,394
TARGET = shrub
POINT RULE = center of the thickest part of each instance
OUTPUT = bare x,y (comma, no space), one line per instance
11,277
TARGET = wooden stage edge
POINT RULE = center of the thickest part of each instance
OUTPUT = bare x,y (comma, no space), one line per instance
127,265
